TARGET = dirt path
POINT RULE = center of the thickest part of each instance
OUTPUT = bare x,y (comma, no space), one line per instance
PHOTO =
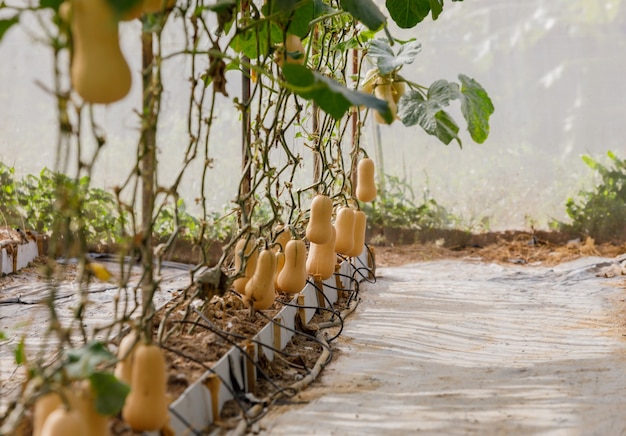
467,347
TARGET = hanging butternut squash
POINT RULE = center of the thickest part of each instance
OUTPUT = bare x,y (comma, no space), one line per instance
99,72
365,182
282,236
385,92
360,226
322,258
344,229
97,424
124,367
293,275
318,229
245,251
64,422
145,408
260,290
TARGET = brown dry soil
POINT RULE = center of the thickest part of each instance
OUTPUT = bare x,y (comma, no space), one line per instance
199,341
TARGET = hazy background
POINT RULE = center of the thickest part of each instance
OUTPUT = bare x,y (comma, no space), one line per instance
554,71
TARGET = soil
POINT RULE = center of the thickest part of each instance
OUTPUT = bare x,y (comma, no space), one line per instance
199,340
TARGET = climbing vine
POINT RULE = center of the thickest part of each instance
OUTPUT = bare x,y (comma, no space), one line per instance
302,67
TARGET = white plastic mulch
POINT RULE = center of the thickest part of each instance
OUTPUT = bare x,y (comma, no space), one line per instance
459,347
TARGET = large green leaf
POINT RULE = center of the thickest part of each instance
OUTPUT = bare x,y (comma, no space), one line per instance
364,11
84,361
6,24
476,107
331,96
386,60
256,41
109,393
408,13
415,109
295,15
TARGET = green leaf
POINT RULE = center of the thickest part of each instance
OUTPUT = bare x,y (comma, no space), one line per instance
331,96
415,109
6,24
83,362
447,129
476,107
255,42
109,393
408,13
296,15
386,60
365,11
122,6
20,354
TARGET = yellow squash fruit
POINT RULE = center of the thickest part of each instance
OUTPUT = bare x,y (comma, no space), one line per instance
283,235
43,407
344,229
292,277
322,258
360,226
145,408
63,422
124,367
280,263
365,182
385,92
99,72
97,424
260,289
398,88
245,250
320,221
369,80
154,6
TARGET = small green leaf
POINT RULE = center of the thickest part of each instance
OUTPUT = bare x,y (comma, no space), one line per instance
447,129
20,354
364,11
84,361
6,24
331,96
386,60
254,42
476,107
109,393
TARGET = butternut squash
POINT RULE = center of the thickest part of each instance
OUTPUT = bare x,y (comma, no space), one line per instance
283,235
369,80
322,258
365,182
318,229
292,277
294,50
280,263
260,288
145,408
43,407
245,251
63,422
344,230
398,89
124,367
99,72
385,92
360,226
154,6
97,424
